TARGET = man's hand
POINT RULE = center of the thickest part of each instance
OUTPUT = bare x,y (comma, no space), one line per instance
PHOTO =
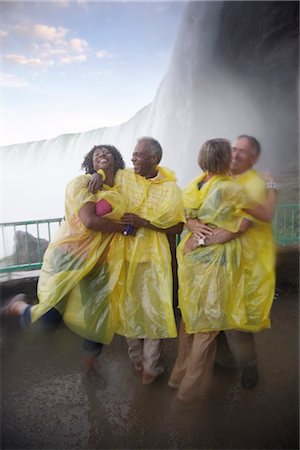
199,229
134,220
95,183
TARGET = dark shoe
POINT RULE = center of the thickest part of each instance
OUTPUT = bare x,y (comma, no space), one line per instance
249,377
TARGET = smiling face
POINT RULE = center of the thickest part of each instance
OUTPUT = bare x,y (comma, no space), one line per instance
102,159
243,156
143,160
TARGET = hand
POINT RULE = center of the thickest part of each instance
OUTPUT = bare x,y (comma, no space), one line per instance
95,183
190,245
134,220
133,231
199,229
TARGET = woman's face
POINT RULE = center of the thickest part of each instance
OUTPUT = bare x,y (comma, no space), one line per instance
102,159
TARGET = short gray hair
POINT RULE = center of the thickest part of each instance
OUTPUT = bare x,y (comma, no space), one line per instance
153,145
253,141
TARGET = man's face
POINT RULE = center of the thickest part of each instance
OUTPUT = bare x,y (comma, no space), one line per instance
243,156
143,160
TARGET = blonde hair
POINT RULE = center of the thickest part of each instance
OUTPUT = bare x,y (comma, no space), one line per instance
215,156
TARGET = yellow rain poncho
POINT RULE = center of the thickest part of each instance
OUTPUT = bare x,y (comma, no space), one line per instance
258,251
74,277
211,279
143,262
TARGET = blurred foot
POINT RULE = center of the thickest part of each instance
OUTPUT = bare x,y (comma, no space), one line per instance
15,306
88,364
173,384
148,379
138,366
249,377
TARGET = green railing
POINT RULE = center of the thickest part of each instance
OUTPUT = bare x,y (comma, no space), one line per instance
23,243
286,224
32,237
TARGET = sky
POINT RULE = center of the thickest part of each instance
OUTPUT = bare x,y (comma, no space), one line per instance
72,66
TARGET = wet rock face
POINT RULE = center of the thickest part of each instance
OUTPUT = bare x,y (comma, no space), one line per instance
253,35
28,249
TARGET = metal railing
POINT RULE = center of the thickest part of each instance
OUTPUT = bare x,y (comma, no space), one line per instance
30,238
23,244
286,224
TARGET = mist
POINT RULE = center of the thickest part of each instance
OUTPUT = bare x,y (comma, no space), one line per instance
234,70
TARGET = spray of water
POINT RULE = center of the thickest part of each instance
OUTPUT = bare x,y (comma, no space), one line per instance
220,83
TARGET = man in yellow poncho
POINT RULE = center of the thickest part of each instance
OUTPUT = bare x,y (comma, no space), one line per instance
214,288
258,255
153,204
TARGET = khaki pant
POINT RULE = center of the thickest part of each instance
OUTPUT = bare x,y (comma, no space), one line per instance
148,351
193,369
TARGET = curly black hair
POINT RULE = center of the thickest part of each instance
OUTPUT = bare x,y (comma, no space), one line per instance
87,164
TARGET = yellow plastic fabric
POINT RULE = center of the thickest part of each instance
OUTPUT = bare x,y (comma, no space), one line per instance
258,251
142,263
75,276
211,279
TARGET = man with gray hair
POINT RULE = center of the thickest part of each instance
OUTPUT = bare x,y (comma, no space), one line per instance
257,249
142,256
153,205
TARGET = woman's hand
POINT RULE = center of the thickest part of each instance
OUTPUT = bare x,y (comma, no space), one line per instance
190,245
95,183
199,229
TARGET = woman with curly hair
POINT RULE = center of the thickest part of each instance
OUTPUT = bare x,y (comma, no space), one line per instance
74,284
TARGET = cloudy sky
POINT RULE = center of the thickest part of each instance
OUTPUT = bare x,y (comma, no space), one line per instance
71,66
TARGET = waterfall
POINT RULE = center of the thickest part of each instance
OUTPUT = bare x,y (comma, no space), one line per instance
234,70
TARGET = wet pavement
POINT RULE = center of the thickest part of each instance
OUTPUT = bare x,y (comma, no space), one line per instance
47,402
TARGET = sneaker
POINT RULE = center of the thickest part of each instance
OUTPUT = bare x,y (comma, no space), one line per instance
249,378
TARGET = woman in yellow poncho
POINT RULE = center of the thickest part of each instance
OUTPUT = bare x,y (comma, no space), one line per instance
211,278
74,283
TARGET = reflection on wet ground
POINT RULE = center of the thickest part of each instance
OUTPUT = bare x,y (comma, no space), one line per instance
49,403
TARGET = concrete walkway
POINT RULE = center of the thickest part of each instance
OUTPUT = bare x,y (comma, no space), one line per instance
48,403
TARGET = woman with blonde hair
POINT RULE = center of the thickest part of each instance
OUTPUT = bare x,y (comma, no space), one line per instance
211,277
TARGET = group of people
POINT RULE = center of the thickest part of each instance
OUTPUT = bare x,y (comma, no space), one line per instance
108,269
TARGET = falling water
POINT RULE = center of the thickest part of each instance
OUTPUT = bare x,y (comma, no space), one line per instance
233,70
